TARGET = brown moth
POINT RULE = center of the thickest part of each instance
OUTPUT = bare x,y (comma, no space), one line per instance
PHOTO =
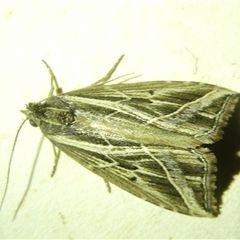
149,138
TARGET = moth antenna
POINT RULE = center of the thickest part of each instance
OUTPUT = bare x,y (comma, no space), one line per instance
10,163
30,178
58,91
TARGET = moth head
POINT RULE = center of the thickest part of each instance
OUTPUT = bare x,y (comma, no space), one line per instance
40,113
32,108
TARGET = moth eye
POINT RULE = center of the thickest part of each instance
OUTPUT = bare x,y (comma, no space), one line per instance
33,123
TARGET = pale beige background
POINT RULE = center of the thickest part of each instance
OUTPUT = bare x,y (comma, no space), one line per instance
81,41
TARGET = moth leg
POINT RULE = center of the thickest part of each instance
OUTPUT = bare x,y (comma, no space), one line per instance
53,81
105,79
56,159
108,185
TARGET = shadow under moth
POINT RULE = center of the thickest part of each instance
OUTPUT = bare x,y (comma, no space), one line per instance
154,139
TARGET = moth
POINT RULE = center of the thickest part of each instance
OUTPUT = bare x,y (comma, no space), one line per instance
148,138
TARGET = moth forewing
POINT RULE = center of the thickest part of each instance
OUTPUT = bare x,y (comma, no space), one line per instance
148,138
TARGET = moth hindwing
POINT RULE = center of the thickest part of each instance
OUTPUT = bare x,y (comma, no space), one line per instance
148,138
